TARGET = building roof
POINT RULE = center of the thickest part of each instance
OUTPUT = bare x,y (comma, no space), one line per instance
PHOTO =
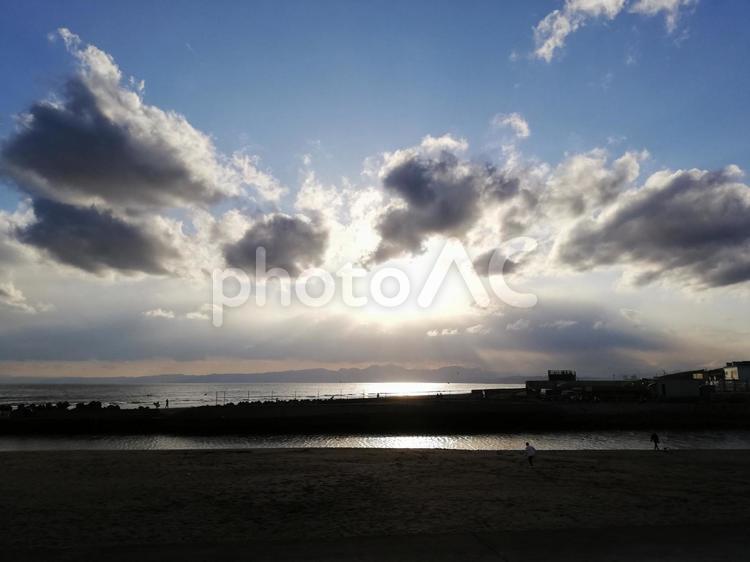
688,375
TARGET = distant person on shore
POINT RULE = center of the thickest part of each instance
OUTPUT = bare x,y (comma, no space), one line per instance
530,453
167,404
655,441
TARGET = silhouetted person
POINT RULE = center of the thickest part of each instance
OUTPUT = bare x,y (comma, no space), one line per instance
655,441
167,403
530,453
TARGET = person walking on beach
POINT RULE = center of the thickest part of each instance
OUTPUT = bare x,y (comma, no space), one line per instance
655,441
530,454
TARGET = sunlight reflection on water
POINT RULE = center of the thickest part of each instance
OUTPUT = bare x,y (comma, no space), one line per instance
199,394
496,442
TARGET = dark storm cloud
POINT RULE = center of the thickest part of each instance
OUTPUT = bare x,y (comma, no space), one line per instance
94,240
693,226
442,194
75,152
290,243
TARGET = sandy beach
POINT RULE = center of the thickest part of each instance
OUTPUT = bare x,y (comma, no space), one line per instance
123,500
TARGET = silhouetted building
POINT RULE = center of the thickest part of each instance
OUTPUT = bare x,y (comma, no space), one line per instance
561,375
714,376
735,377
685,384
564,385
737,371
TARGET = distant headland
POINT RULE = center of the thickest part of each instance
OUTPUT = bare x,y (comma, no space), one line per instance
372,373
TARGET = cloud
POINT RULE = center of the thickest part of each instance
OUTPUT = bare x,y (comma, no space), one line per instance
101,144
13,297
553,30
585,181
559,324
578,329
159,313
670,8
589,212
291,243
436,145
632,315
444,332
347,211
514,121
478,329
520,325
97,153
203,312
692,227
12,252
310,336
440,193
436,193
246,166
485,267
683,226
96,240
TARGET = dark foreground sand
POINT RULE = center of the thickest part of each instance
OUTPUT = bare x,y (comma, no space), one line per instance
328,503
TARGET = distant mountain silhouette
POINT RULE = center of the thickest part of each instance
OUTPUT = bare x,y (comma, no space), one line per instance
373,373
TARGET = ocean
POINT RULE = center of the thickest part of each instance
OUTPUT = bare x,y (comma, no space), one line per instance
198,394
182,395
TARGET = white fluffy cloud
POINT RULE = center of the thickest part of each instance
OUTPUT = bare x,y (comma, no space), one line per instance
246,168
670,9
203,312
13,297
159,313
553,30
349,212
586,181
515,122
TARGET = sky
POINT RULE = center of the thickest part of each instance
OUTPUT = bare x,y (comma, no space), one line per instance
597,148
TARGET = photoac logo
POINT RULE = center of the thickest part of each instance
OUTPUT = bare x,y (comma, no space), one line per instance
453,254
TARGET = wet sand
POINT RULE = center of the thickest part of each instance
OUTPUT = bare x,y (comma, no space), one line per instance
119,500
